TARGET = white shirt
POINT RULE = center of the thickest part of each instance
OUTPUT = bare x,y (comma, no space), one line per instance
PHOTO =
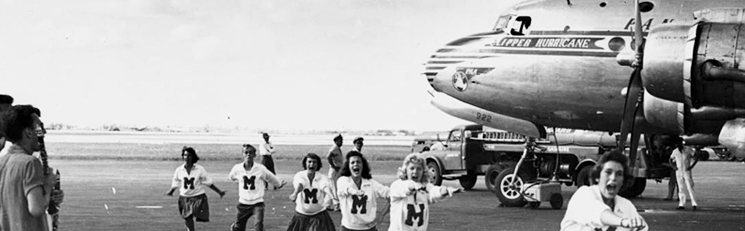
359,212
250,185
266,148
310,200
411,212
192,183
682,159
7,146
584,209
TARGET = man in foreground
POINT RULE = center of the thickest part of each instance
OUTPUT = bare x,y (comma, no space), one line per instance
24,189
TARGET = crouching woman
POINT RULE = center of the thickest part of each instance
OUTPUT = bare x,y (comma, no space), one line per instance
599,206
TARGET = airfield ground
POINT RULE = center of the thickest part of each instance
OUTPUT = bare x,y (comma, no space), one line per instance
129,195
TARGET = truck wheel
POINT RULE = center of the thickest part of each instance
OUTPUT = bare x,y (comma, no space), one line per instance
583,176
491,177
636,189
468,181
557,201
509,187
434,172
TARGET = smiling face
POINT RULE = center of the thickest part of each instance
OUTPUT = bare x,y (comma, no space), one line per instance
355,166
611,179
414,171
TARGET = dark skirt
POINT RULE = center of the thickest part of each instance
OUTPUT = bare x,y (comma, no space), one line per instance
196,206
319,222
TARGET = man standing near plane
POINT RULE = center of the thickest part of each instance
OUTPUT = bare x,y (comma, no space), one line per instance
358,144
25,190
336,160
266,150
681,159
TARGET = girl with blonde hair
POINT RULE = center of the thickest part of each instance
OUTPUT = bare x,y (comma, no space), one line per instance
412,194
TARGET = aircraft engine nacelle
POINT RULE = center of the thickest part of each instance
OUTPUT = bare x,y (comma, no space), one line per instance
694,76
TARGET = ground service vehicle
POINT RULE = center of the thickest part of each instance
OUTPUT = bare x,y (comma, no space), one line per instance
569,156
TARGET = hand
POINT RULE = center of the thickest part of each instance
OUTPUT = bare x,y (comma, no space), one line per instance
293,197
50,181
450,191
282,184
58,196
169,193
633,222
222,193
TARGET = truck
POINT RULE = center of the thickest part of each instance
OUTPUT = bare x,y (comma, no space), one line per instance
568,157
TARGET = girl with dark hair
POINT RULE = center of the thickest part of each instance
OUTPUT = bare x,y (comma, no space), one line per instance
190,179
357,193
599,206
310,190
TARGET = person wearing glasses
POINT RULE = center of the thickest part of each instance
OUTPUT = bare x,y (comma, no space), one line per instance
251,177
190,179
24,189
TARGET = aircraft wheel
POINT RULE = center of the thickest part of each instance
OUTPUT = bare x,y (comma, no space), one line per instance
534,205
434,172
468,181
490,177
557,201
584,175
509,186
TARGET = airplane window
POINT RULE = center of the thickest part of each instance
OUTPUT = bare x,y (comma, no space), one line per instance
645,7
502,22
602,4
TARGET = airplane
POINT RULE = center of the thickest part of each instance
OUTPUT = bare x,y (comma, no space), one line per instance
576,64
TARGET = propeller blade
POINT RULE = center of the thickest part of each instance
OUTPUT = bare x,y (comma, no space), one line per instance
633,95
638,28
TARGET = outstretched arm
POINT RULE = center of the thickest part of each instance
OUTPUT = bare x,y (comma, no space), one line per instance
611,219
298,189
217,190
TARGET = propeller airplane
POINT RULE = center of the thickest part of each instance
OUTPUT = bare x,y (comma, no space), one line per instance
566,64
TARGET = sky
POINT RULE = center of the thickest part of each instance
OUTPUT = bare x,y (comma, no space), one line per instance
262,64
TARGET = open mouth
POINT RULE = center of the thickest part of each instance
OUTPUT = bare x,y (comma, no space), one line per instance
356,170
611,188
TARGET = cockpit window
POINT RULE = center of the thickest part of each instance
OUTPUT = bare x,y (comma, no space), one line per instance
502,22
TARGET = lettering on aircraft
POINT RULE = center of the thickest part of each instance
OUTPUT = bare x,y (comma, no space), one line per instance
483,117
524,24
463,76
549,42
646,24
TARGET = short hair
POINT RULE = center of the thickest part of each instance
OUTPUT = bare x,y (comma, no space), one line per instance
414,158
190,151
337,137
6,99
358,139
247,146
617,156
319,165
17,119
345,171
